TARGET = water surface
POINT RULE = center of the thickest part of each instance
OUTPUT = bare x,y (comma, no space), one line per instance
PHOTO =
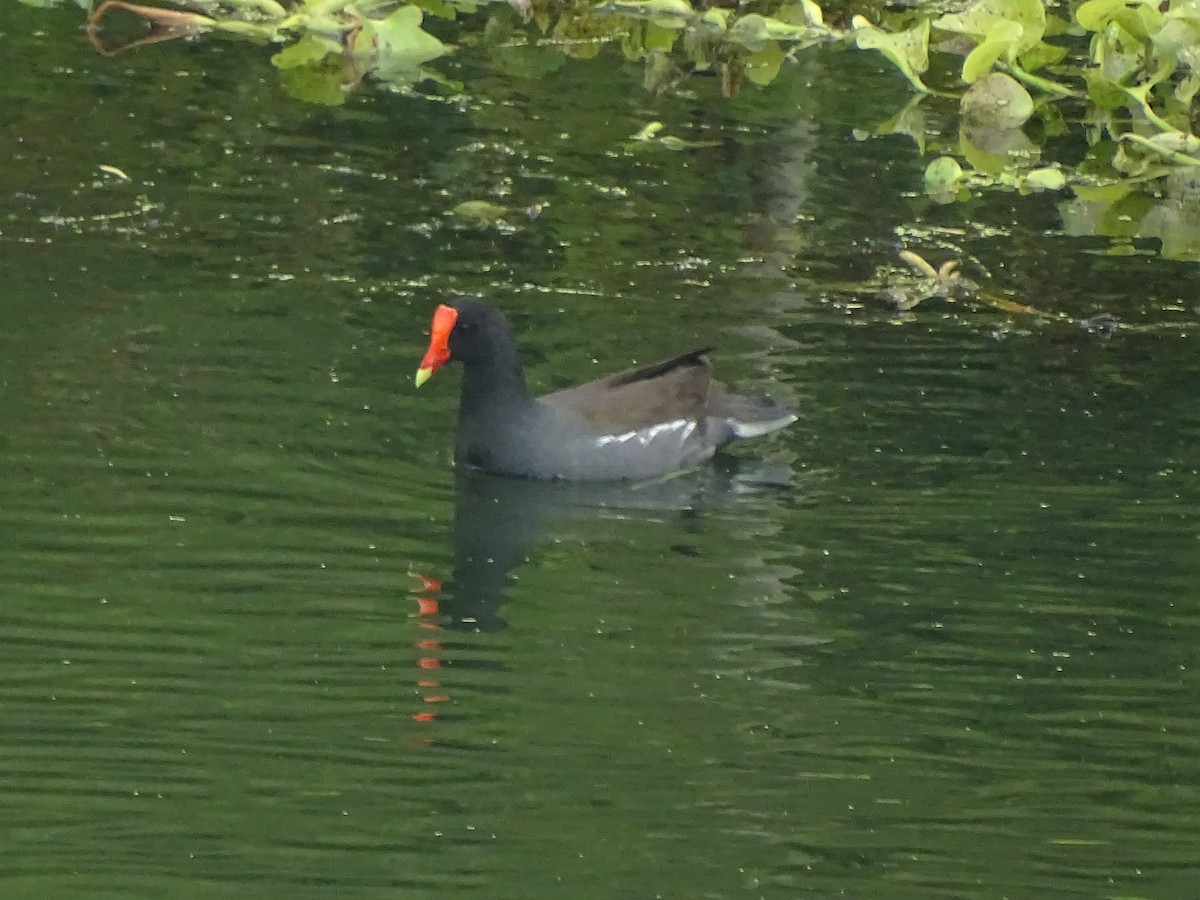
937,640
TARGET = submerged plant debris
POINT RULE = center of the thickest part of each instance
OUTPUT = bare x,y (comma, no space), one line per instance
905,288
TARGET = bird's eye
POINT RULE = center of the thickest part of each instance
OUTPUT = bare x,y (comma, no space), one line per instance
466,326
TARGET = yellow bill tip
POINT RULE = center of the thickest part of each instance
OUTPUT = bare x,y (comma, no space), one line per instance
422,376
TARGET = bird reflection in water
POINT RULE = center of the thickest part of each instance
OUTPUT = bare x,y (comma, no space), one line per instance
499,522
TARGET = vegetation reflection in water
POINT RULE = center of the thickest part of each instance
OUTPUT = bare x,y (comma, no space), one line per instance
1123,71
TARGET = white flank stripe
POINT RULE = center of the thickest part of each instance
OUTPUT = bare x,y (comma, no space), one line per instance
646,435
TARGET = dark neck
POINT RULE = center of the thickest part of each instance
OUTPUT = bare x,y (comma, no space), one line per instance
496,385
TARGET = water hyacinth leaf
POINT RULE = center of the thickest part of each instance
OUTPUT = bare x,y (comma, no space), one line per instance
1041,55
440,8
1187,89
1179,38
676,144
1103,91
998,100
1045,179
307,51
749,31
1002,40
754,31
1139,21
1056,25
805,13
668,13
716,19
479,212
763,67
402,46
1141,93
648,132
1103,193
978,20
908,50
943,176
1054,123
361,8
1115,64
1094,15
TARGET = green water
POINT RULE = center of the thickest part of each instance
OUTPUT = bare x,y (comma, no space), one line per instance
937,640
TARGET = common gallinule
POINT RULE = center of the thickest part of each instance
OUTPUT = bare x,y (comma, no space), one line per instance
643,422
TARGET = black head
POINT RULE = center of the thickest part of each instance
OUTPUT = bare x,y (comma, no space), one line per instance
480,332
468,330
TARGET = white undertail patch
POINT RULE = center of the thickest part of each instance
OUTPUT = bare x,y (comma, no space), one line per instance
755,429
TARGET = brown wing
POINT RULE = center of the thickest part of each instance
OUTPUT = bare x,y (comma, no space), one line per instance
678,388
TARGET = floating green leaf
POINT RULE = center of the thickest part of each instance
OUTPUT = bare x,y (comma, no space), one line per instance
440,8
479,212
668,13
1179,38
754,31
908,50
1103,91
997,100
307,51
978,20
1187,89
1045,179
1042,55
1094,15
648,132
1002,40
1103,193
763,67
402,46
715,19
943,176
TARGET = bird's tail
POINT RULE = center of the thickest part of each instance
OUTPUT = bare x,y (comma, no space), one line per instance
749,417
